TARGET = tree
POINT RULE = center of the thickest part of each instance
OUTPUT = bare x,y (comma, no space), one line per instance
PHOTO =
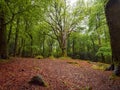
3,31
112,11
13,13
62,21
98,29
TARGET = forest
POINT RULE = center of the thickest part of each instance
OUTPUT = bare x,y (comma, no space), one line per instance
55,28
40,33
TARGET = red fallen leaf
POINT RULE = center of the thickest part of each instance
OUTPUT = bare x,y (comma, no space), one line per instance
16,74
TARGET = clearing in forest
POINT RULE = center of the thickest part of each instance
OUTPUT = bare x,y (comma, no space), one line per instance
58,75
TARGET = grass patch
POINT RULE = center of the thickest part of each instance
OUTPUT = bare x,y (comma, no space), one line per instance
52,57
65,58
113,77
74,63
100,66
4,60
90,62
39,57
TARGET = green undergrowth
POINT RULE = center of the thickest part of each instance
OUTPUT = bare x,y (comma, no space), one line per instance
113,77
4,60
65,58
100,66
90,62
39,57
52,58
73,63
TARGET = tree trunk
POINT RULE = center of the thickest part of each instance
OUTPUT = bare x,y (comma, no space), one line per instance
64,47
3,36
31,44
112,11
73,47
50,43
20,49
9,33
64,52
16,37
43,46
94,49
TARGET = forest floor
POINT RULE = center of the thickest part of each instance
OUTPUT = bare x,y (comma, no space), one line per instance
58,74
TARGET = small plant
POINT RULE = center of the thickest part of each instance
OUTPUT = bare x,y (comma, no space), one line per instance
4,61
100,66
72,62
52,57
113,77
89,62
65,58
39,57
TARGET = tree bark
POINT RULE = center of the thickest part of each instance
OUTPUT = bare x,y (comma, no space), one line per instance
64,45
43,46
9,33
3,36
73,47
112,11
50,43
16,37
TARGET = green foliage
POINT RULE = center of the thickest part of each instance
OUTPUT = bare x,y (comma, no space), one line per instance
39,57
4,61
113,77
48,26
105,50
52,57
100,66
65,58
73,63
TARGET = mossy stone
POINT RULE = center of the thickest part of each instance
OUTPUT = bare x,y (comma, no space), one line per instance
37,80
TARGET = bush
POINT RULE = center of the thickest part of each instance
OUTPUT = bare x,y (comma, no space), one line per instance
4,61
65,58
100,66
52,57
39,57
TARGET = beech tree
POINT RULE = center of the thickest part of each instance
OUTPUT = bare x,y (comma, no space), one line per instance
54,28
112,11
63,21
3,31
12,12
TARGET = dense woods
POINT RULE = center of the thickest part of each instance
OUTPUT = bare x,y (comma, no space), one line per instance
54,28
57,28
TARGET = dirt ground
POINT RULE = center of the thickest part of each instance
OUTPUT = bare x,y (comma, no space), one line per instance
58,74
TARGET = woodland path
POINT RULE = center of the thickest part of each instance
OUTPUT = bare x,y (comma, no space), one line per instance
58,74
